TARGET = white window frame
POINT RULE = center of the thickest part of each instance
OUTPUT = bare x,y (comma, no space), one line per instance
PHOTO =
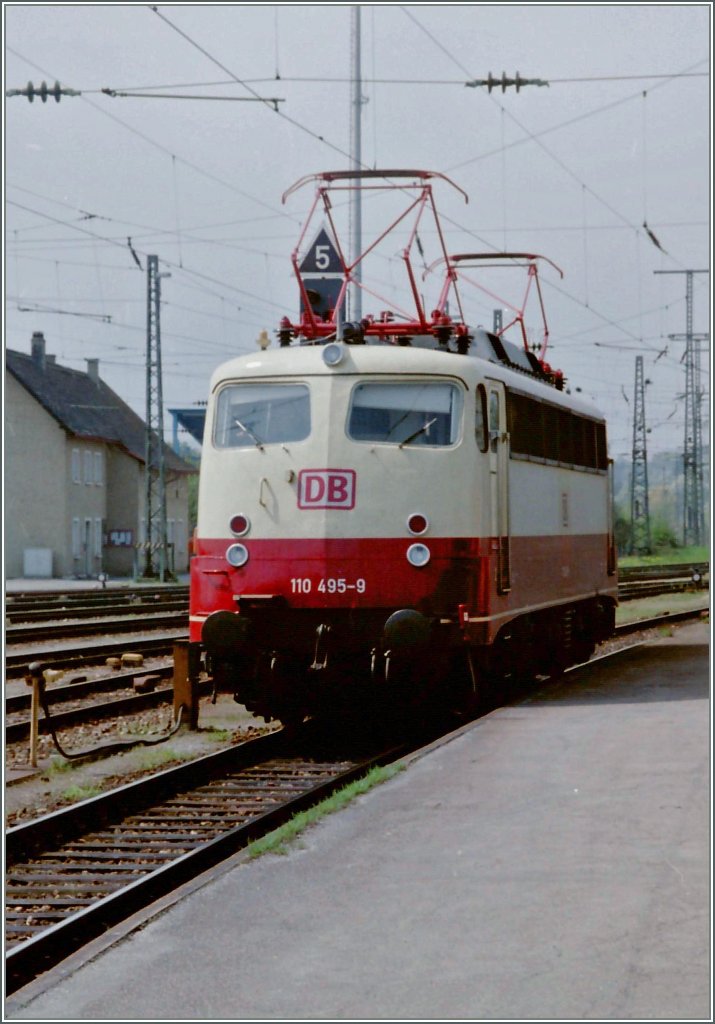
76,538
88,468
98,469
76,467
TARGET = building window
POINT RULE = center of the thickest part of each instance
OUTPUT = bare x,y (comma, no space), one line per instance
98,538
76,539
98,468
76,479
88,474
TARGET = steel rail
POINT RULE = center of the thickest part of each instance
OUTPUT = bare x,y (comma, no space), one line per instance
46,598
93,627
62,613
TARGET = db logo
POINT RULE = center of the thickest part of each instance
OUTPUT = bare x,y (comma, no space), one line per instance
326,488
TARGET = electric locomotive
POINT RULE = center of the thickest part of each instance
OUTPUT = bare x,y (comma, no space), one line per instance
412,510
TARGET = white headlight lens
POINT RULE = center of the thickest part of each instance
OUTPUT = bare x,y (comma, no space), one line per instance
418,555
237,555
333,354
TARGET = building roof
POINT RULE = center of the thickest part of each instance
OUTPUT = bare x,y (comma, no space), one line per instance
85,406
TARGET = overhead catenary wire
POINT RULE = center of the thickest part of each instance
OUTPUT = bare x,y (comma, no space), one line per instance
375,80
532,136
157,145
503,227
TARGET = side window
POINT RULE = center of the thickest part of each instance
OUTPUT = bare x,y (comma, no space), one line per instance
98,474
88,464
76,478
481,423
494,425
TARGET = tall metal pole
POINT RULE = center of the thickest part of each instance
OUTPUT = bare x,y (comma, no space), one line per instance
640,516
356,161
155,539
693,492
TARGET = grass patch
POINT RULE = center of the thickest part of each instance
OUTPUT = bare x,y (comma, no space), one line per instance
58,766
159,756
669,556
631,611
278,840
218,735
76,793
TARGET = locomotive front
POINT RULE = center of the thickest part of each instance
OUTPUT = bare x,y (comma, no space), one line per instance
333,550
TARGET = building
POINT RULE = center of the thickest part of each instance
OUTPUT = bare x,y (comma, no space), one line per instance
74,475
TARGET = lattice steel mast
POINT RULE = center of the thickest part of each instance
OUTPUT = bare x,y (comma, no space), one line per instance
693,490
155,539
640,516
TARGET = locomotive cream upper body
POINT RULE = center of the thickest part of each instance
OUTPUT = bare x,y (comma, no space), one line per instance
355,481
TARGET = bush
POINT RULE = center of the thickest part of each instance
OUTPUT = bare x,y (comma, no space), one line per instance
662,536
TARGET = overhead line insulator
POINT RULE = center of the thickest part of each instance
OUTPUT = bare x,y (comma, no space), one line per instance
504,82
43,91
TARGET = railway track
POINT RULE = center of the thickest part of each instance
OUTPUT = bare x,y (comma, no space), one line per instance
652,581
73,874
85,605
87,708
89,652
34,633
48,602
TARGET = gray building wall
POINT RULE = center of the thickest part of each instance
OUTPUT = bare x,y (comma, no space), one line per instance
125,476
80,499
35,482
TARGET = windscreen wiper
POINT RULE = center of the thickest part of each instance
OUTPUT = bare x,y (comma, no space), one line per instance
417,433
247,430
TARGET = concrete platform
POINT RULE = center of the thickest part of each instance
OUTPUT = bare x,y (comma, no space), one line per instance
550,862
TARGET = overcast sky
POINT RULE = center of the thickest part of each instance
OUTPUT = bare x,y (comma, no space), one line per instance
621,137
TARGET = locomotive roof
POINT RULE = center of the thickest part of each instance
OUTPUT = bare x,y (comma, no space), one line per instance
306,360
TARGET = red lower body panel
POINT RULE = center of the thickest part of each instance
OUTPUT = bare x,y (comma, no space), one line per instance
375,573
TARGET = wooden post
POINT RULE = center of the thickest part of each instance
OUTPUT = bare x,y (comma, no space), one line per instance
186,681
34,721
33,679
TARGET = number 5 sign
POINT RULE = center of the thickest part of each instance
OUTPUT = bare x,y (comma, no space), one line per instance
323,275
322,256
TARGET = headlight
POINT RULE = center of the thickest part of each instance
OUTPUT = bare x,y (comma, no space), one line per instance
237,555
333,354
418,555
